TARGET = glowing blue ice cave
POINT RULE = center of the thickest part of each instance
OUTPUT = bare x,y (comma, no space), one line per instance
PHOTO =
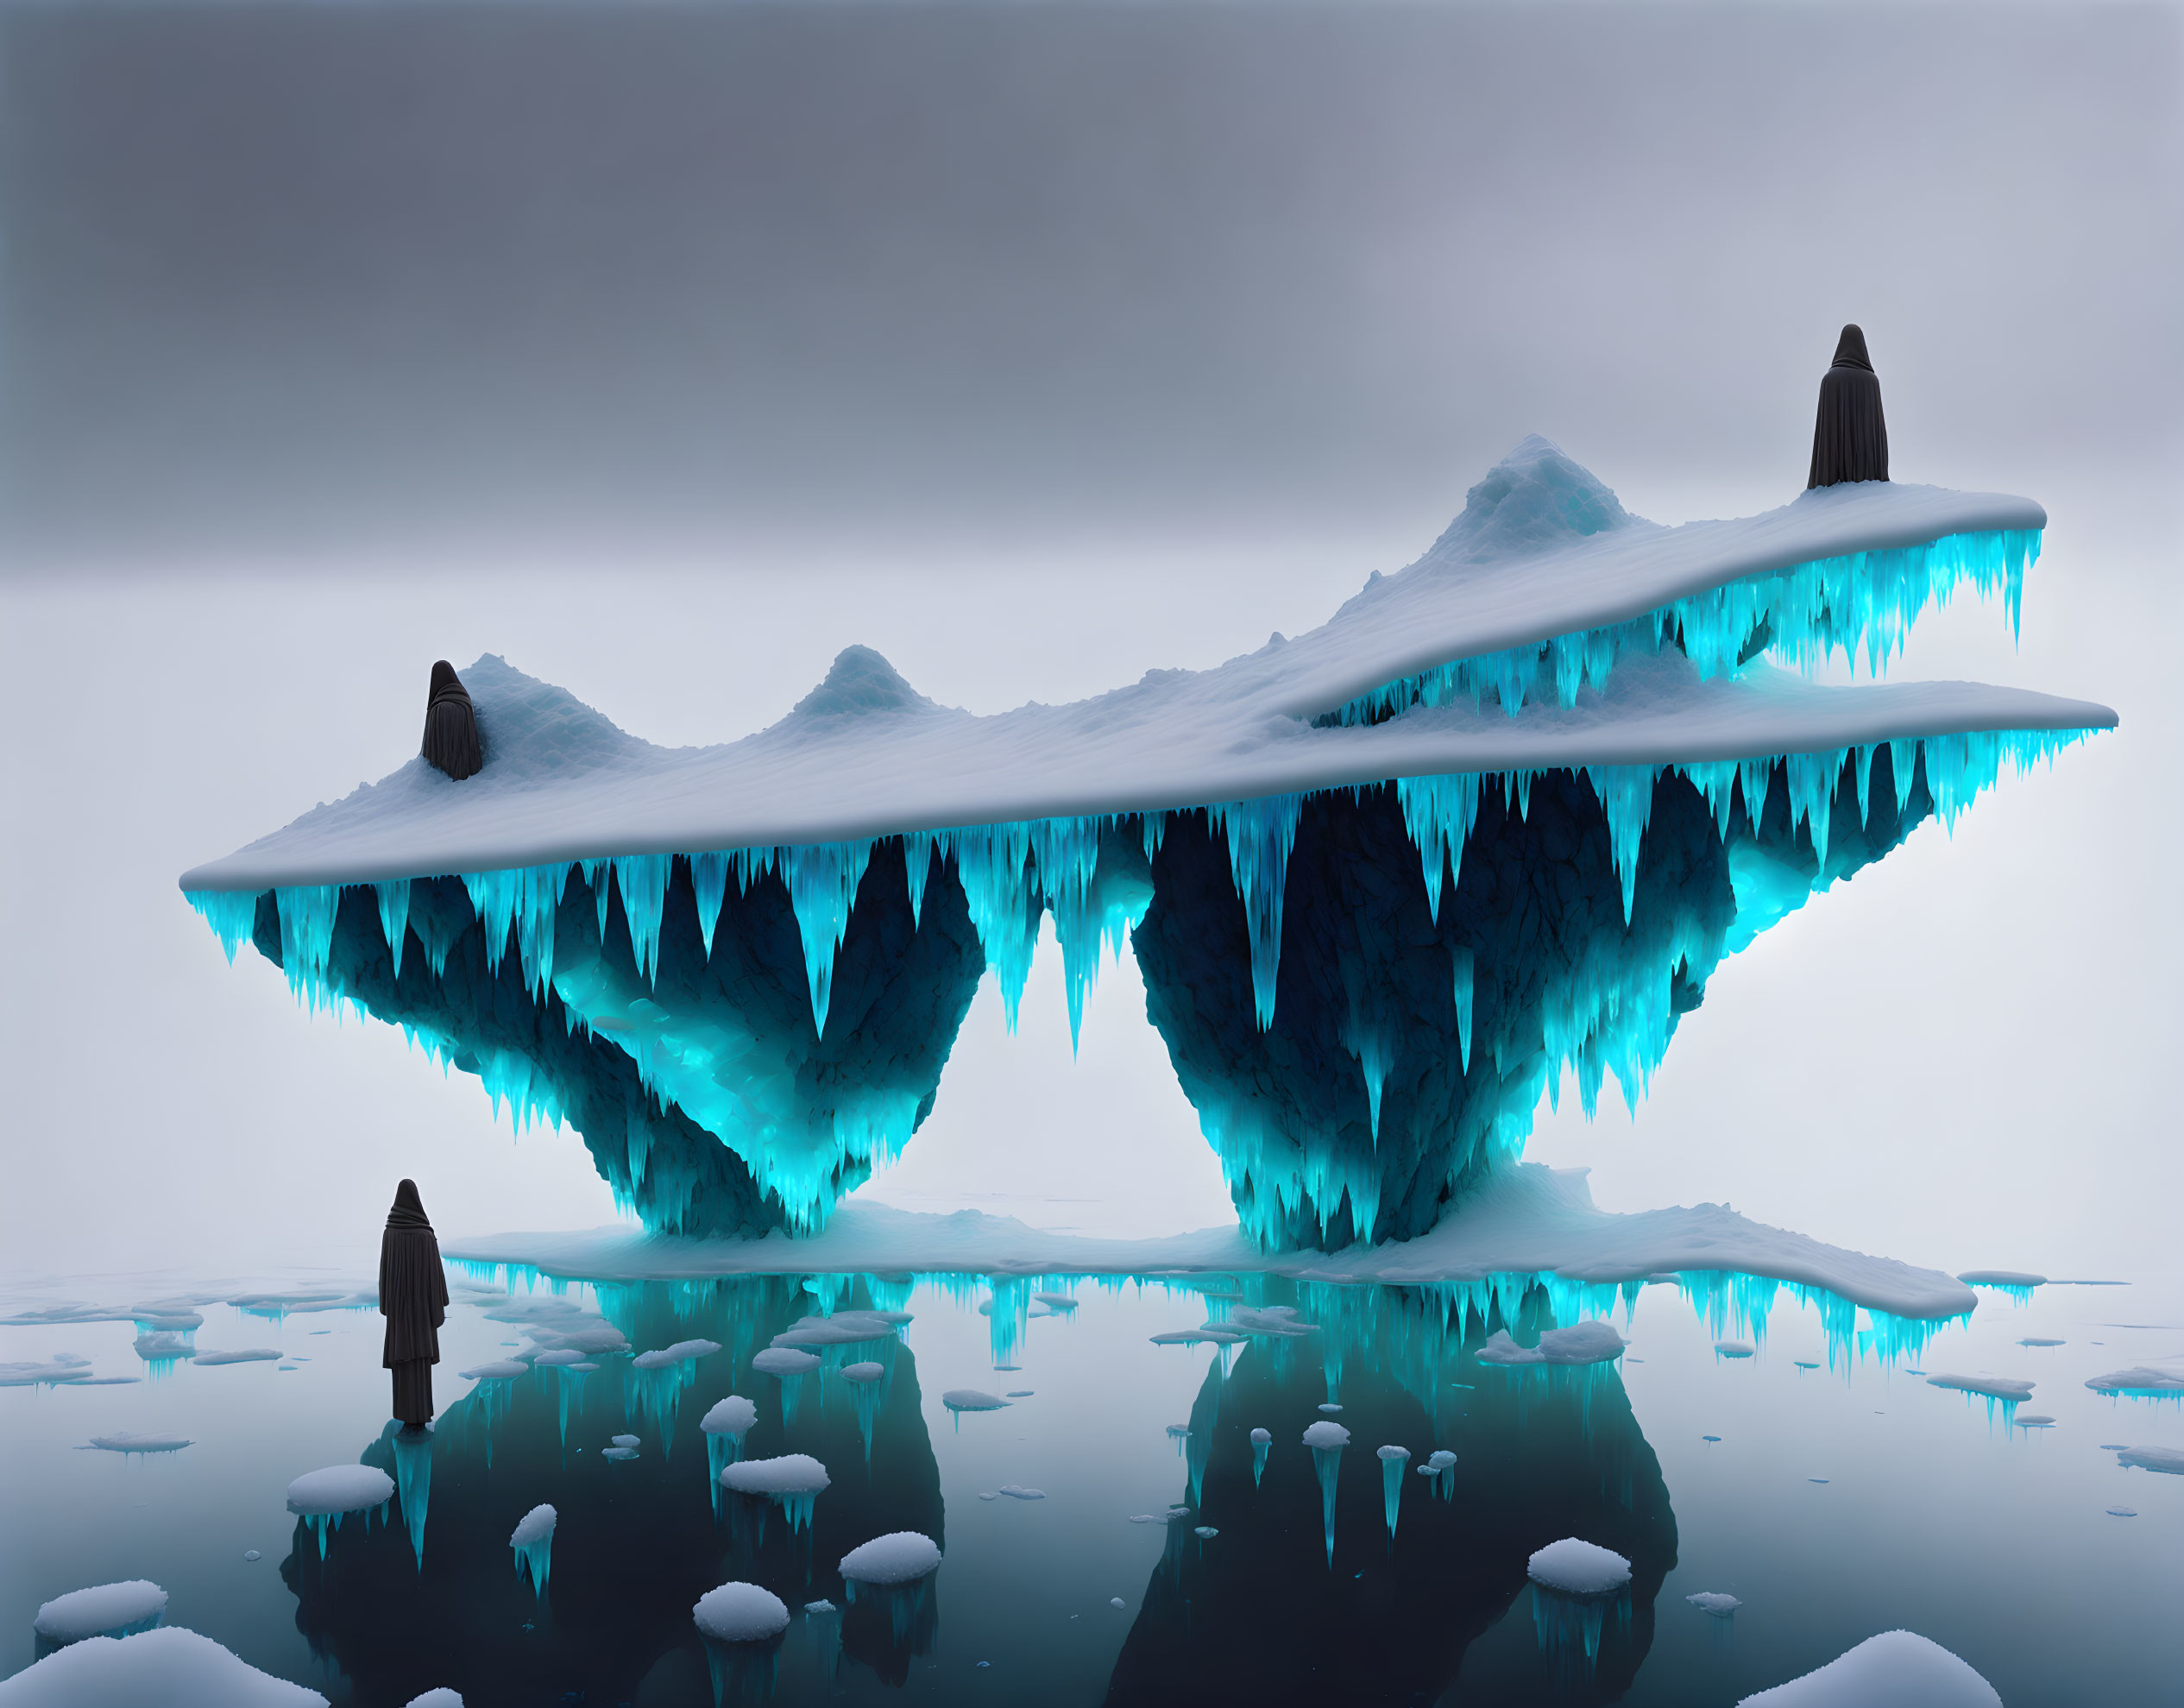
742,1036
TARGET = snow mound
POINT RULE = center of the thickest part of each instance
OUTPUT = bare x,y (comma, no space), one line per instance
1592,1342
895,1559
971,1399
441,1697
1576,1567
1532,501
733,1416
740,1613
1897,1669
1397,1454
863,1372
2167,1459
1260,1437
1325,1434
784,1361
789,1474
339,1487
625,1440
127,1443
105,1609
172,1667
534,1527
1710,1601
820,1606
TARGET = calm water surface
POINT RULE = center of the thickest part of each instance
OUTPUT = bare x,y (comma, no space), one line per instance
1836,1503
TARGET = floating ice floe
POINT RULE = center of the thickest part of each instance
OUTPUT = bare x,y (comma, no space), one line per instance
2167,1459
844,1328
898,1558
2122,1512
1114,1601
1575,1567
971,1399
784,1361
786,1474
1018,1394
171,1667
1714,1603
1017,1492
534,1541
1205,1533
1897,1669
733,1416
250,1355
2007,1281
1734,1349
865,1372
2145,1381
501,1369
820,1606
740,1613
105,1609
1582,1343
1992,1387
127,1443
2040,1340
620,1455
682,1351
1056,1302
625,1440
324,1498
63,1367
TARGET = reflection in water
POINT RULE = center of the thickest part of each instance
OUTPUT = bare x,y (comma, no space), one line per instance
635,1543
1275,1607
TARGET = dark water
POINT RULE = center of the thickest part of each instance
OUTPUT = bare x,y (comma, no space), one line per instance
1935,1514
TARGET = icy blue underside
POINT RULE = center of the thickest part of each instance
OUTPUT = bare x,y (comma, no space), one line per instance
1612,1015
1862,604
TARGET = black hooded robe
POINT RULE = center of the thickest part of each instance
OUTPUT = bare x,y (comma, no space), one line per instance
451,726
1850,437
413,1298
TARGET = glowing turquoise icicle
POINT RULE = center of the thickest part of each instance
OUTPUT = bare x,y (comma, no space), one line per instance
1327,1440
1392,1462
533,1542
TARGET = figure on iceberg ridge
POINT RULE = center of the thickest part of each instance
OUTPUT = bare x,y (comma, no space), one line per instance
451,726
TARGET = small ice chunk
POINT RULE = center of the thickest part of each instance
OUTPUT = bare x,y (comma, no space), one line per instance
1015,1493
731,1416
894,1559
1897,1669
1056,1302
983,1496
2000,1278
252,1554
1205,1532
501,1369
1578,1568
618,1455
2122,1512
971,1399
1734,1349
252,1355
2039,1340
339,1487
1991,1387
863,1372
534,1527
105,1609
784,1361
560,1355
2115,1446
127,1443
1260,1437
740,1613
1397,1453
1805,1363
1325,1433
1114,1601
2035,1419
1176,1432
844,1328
172,1667
441,1697
1816,1479
822,1606
1713,1602
2142,1379
787,1474
1330,1408
625,1440
2165,1459
1709,1438
1018,1394
1145,1518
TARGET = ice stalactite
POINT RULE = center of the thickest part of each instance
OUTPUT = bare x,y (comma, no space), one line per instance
1262,1443
413,1449
1327,1441
1862,605
532,1540
1393,1461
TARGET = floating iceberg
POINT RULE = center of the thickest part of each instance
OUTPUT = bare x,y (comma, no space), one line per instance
898,1558
1327,1440
324,1498
738,971
740,1613
793,1481
1897,1669
103,1611
534,1541
2145,1381
1713,1604
174,1667
2167,1459
1574,1566
126,1442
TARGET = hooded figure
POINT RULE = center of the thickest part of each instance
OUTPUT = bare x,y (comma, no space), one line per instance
413,1298
451,726
1850,439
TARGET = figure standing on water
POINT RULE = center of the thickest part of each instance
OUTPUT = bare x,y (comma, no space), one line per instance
1850,437
413,1298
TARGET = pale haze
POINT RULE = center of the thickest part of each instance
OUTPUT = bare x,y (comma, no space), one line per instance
1036,347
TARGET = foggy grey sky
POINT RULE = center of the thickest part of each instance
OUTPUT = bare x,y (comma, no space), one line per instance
667,350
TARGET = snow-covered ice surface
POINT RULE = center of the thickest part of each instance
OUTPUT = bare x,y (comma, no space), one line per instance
1593,1342
740,1613
1575,1566
340,1488
172,1667
787,1474
1897,1669
1529,1219
103,1609
731,1416
866,756
2157,1380
897,1558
